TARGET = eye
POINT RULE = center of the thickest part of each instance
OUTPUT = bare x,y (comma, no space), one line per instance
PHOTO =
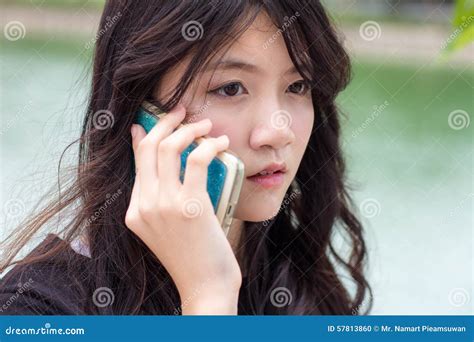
299,87
229,89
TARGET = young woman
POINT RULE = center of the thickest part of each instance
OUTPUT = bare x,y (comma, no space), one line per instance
259,78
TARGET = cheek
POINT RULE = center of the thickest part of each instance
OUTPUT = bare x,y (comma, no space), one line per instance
302,128
220,123
220,127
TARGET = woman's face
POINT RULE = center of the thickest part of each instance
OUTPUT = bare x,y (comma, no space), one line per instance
257,98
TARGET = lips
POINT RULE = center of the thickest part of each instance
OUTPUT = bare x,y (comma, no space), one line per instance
270,177
270,169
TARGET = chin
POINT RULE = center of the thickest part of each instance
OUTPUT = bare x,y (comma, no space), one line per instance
258,210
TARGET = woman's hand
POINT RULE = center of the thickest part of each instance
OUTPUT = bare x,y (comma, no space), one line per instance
177,221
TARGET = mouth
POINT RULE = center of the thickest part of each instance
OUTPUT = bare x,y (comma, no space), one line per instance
271,176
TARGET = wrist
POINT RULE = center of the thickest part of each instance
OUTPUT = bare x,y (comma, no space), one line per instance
210,301
211,306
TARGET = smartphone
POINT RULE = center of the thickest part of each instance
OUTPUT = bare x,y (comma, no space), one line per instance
225,173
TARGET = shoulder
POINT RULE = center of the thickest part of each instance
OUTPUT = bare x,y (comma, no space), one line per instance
47,287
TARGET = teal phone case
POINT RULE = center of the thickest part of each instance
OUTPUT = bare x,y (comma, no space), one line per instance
216,171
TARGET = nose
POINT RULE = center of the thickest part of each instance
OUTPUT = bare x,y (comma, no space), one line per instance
272,129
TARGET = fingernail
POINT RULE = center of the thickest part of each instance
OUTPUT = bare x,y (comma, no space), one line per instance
134,130
225,139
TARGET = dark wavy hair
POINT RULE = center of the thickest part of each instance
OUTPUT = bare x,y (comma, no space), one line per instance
139,41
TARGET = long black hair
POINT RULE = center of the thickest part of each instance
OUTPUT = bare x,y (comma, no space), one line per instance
138,42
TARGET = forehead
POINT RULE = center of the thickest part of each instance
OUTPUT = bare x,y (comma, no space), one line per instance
260,44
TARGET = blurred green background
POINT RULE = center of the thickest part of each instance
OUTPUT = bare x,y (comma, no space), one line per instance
407,134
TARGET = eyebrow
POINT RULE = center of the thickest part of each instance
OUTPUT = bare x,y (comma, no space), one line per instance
235,64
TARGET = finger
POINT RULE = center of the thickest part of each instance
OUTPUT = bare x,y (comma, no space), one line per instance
138,133
132,214
195,177
170,149
146,150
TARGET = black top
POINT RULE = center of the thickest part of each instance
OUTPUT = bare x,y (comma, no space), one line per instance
43,288
48,288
